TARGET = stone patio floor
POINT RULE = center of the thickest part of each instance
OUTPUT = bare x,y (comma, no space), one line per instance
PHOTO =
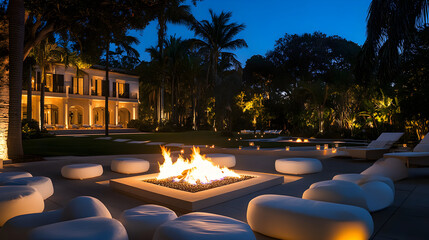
408,218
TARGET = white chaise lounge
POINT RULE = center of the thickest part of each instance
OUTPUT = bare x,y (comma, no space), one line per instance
376,148
419,155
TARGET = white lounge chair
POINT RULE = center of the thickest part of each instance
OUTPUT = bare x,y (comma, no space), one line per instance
419,155
376,148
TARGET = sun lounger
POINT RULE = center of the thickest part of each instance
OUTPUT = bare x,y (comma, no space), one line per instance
419,155
376,148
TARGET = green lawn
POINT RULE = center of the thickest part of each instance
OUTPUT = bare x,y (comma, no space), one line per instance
87,146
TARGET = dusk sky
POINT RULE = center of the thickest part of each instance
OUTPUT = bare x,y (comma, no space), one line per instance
266,21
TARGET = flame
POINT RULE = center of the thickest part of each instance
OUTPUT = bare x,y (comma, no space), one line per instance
196,170
299,140
305,140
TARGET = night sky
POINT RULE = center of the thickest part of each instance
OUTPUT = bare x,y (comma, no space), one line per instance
268,20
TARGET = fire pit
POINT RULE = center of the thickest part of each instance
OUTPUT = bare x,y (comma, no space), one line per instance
193,184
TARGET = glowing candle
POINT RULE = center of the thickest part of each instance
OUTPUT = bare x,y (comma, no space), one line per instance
239,147
325,147
404,145
251,144
305,140
336,145
287,148
334,150
182,151
317,147
258,147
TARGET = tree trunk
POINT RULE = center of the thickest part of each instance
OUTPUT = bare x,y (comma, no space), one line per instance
162,25
29,96
173,102
106,100
194,106
16,13
4,89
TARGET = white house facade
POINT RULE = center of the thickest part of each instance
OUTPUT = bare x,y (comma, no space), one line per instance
72,102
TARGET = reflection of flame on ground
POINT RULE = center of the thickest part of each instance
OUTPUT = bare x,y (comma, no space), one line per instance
196,170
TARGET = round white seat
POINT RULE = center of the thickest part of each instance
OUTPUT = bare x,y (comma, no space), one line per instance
222,159
41,184
378,195
145,219
298,166
84,207
203,226
19,200
82,171
361,179
129,165
81,229
7,176
19,227
286,217
337,191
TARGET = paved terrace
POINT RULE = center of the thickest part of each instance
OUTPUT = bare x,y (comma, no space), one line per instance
408,218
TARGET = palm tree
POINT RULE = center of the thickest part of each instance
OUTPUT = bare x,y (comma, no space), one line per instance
16,14
390,29
175,51
169,11
45,54
216,37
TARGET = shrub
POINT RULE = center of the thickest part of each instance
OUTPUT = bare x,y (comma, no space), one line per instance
135,123
30,130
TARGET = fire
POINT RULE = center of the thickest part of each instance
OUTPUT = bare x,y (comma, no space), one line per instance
196,170
299,140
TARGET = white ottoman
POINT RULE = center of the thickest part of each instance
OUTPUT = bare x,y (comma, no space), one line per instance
222,160
81,229
84,207
378,195
142,221
129,165
7,176
19,200
392,168
41,184
82,171
203,226
19,227
337,191
287,217
298,165
361,179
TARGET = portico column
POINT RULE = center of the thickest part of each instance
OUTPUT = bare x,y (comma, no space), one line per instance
116,112
90,112
134,111
66,108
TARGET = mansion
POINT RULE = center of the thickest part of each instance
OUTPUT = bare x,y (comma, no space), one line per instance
79,102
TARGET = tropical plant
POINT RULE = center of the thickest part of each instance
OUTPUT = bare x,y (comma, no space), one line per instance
216,37
46,54
168,11
391,29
